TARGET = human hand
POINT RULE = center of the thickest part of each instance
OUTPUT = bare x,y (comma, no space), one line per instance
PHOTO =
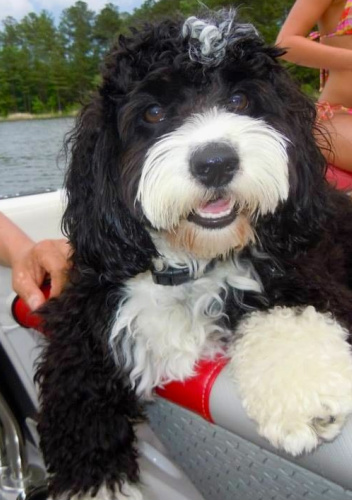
33,263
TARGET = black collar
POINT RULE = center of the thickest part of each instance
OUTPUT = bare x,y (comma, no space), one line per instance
173,276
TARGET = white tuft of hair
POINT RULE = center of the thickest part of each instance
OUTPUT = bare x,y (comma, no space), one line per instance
210,37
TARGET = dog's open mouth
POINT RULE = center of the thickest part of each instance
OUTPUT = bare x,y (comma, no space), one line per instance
215,214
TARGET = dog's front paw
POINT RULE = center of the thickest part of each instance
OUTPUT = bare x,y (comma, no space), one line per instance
293,368
300,431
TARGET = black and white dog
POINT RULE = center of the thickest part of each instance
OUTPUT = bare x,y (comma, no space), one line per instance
201,224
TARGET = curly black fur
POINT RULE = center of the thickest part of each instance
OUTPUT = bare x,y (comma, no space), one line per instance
87,407
88,410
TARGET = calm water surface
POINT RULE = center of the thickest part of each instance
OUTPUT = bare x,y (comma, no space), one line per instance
29,155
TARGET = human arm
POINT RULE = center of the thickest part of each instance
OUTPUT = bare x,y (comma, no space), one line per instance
301,50
12,238
30,262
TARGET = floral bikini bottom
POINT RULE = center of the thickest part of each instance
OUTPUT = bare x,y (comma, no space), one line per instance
325,110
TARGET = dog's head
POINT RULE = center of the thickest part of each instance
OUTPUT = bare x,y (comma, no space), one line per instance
196,135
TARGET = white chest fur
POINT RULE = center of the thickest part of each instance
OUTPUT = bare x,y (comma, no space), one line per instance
161,331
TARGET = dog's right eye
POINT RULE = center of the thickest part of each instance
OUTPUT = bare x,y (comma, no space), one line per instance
154,114
239,102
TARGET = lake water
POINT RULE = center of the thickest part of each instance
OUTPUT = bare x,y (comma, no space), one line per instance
29,155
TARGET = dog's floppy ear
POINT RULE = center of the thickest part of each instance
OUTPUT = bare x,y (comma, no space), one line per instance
103,232
301,219
298,122
307,211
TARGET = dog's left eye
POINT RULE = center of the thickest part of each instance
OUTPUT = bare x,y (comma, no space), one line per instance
154,114
238,102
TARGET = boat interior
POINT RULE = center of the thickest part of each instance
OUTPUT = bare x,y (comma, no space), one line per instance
198,444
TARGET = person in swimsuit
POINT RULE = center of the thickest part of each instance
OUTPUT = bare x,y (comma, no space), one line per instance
334,54
30,262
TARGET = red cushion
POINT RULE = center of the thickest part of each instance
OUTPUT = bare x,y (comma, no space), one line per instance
194,393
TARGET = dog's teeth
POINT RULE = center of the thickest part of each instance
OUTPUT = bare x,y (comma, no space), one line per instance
208,215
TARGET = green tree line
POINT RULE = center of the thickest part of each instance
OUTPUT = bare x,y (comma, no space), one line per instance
46,67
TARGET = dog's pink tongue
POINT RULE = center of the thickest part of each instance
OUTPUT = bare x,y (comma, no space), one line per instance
215,207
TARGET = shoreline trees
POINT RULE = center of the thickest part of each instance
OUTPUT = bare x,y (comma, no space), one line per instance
46,67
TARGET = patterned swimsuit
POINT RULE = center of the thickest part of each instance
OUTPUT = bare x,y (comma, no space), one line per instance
326,110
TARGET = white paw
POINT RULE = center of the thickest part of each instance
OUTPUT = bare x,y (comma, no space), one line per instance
293,368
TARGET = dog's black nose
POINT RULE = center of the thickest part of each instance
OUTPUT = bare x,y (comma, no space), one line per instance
214,165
